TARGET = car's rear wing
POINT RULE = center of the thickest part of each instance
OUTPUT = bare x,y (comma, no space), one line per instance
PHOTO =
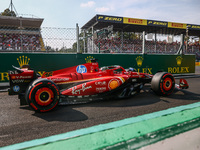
19,79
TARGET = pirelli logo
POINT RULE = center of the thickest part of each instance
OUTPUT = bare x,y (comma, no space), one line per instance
177,25
135,21
109,19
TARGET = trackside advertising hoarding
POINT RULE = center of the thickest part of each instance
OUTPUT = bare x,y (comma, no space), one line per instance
145,22
175,64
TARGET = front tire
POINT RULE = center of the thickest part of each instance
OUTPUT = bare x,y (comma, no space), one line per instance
42,95
163,83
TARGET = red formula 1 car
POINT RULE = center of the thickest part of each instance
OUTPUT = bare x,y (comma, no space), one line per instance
84,83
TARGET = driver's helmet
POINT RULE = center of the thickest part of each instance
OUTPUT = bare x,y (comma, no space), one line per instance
132,69
103,68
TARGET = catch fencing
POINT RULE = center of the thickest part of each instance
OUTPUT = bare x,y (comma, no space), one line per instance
136,43
70,40
46,39
59,39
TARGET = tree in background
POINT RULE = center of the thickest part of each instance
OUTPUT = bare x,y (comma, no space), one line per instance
7,12
81,41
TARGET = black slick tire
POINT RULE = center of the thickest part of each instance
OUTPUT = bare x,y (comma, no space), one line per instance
163,83
42,95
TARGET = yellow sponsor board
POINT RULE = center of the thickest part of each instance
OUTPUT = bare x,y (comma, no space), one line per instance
177,25
135,21
197,63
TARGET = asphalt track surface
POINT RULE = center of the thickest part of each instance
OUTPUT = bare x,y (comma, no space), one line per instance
19,124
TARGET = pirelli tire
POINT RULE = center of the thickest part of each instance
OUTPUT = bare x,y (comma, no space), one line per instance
163,83
42,95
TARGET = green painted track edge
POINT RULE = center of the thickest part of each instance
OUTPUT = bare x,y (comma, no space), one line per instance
156,136
99,128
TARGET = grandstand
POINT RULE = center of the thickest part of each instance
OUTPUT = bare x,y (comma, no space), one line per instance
20,34
101,34
114,34
135,46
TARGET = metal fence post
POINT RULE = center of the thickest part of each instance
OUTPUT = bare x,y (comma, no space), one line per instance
77,38
21,38
122,41
92,39
180,51
143,42
84,41
155,42
187,38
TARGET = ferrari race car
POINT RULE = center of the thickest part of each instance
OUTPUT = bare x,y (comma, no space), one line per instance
84,83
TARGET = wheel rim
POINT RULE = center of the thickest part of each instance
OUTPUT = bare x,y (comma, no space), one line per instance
167,84
44,96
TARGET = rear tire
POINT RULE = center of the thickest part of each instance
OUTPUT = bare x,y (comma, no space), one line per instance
163,83
42,95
